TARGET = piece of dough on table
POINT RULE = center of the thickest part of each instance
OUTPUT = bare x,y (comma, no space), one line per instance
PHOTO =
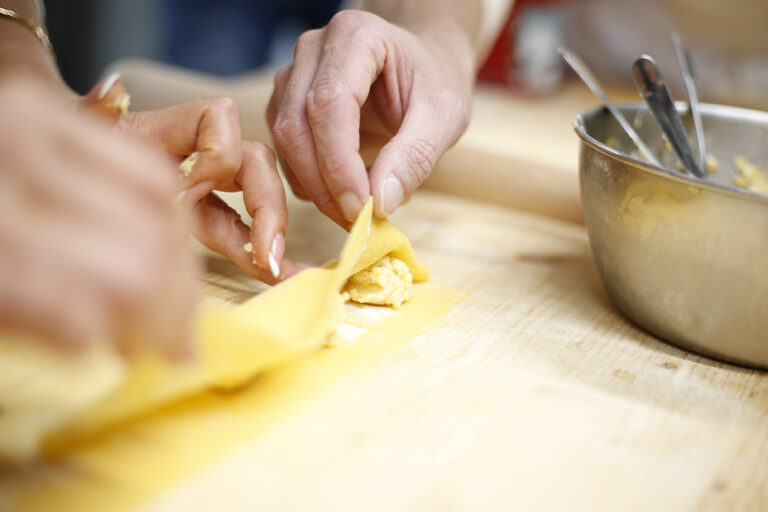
49,399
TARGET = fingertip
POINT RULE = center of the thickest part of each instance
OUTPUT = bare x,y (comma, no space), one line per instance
274,267
350,205
191,196
289,268
106,85
276,253
389,197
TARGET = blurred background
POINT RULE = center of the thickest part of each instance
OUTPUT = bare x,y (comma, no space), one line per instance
228,37
219,37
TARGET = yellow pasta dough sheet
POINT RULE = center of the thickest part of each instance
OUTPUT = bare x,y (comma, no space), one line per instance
94,431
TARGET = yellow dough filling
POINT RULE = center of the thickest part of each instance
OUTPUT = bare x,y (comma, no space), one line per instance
388,282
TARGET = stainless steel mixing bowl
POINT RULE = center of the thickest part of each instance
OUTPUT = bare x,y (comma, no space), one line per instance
686,259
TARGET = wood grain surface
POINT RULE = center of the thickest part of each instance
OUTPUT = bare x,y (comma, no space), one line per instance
537,394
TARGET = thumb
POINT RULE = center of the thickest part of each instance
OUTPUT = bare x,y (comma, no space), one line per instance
406,161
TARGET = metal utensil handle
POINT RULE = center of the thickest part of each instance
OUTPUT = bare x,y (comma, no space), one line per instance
586,75
693,98
651,85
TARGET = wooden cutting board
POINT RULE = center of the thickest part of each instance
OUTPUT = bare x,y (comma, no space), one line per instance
536,394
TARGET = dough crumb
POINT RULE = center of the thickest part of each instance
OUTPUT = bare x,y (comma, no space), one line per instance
749,176
388,282
248,247
123,103
188,163
712,164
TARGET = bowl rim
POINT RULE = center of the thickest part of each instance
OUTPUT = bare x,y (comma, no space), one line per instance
726,111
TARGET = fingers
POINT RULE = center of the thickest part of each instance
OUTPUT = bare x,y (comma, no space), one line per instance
206,132
139,169
80,283
265,202
291,130
220,229
281,77
166,315
404,163
188,198
293,182
34,306
409,157
75,190
97,250
347,69
361,85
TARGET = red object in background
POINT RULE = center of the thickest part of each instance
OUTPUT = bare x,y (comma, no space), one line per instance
501,62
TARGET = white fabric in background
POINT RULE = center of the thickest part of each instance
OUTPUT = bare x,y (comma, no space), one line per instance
494,14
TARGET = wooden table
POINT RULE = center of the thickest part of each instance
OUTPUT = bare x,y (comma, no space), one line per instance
536,394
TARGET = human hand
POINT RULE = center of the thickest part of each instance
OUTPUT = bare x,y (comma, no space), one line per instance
92,243
204,138
362,87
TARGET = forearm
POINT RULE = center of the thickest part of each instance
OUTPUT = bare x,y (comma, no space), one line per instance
453,24
22,54
479,21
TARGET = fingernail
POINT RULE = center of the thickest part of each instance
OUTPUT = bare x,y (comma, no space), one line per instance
391,194
188,163
350,206
273,266
107,85
180,198
272,258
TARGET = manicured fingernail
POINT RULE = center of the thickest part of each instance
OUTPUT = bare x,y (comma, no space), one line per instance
272,258
350,206
391,194
106,86
273,266
188,163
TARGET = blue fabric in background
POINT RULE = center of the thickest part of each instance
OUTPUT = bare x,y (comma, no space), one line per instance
234,36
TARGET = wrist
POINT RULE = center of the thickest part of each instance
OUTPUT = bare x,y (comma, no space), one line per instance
448,27
448,37
23,57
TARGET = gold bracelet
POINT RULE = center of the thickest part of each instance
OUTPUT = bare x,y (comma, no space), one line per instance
31,25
